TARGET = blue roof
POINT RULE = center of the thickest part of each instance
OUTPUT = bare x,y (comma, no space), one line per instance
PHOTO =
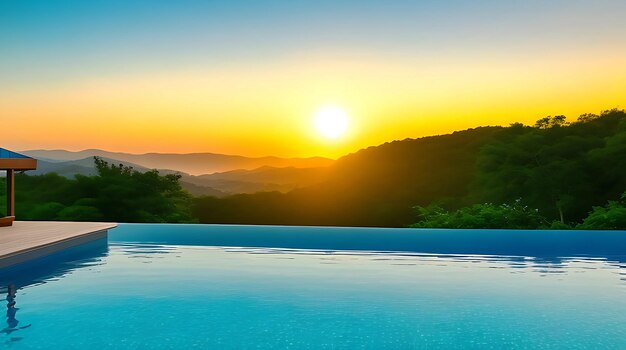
6,154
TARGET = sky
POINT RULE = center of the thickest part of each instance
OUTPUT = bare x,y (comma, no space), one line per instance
247,77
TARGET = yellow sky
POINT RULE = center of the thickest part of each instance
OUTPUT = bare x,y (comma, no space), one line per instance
267,108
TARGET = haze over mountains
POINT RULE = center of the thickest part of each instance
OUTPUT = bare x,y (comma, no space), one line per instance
190,163
235,174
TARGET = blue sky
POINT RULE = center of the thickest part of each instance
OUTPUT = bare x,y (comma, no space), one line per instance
67,39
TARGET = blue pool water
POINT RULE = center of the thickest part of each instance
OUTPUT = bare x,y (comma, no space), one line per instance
247,287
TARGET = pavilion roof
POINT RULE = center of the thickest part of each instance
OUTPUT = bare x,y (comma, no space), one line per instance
6,154
10,160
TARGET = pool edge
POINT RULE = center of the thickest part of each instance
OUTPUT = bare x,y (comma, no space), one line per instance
72,235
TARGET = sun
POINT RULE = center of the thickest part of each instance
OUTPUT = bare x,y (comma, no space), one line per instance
331,122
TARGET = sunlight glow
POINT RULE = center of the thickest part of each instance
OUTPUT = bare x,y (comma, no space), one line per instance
331,121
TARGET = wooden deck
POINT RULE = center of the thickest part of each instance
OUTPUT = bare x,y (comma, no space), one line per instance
27,240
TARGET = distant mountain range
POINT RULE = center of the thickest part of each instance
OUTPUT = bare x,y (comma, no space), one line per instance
265,178
271,175
190,163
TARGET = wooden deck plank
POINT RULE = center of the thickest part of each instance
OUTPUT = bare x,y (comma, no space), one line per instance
31,239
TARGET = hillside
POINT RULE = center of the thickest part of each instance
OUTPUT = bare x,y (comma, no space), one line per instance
560,169
376,186
262,179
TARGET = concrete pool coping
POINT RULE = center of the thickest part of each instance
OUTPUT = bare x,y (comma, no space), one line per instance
28,240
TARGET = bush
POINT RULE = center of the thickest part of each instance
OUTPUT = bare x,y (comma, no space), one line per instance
609,217
489,216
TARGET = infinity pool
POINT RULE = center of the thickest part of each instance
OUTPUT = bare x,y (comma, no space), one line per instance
247,287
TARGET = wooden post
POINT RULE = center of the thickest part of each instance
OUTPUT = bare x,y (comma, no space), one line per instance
10,192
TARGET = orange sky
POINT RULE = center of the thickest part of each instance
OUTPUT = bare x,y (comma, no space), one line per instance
263,103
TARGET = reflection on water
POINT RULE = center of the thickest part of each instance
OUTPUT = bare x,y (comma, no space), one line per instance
43,270
54,266
534,243
59,265
516,264
12,321
145,252
243,295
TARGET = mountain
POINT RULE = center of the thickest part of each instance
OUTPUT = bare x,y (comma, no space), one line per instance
261,179
84,166
65,168
218,184
190,163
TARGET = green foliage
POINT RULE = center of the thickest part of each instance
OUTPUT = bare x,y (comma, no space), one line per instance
609,217
551,122
80,213
259,208
45,211
561,170
557,225
487,216
587,117
117,193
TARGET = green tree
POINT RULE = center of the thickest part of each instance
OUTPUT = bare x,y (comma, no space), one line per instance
558,168
551,122
117,193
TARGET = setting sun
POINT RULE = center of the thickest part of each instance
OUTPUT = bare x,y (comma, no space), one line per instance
331,122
